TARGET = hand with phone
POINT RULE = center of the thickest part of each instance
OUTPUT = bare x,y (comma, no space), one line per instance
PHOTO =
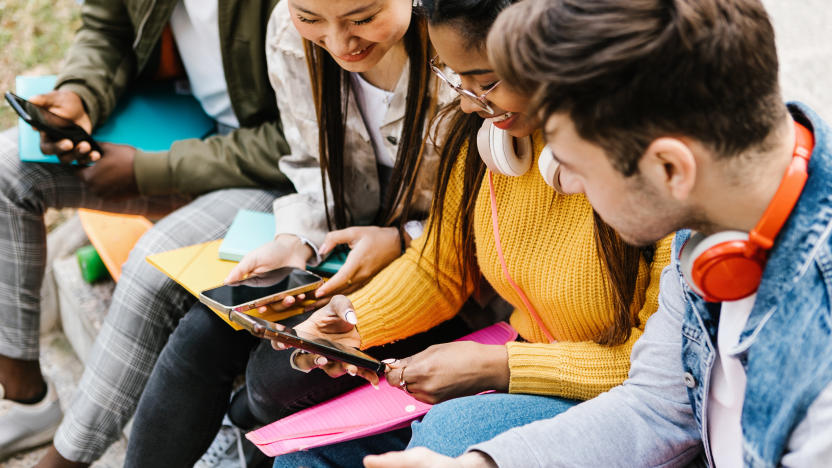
284,250
64,127
451,370
334,322
68,105
258,290
371,249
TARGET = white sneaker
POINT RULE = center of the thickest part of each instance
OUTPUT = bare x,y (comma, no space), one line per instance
25,426
226,451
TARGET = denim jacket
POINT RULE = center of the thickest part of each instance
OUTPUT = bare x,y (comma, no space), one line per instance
786,345
658,416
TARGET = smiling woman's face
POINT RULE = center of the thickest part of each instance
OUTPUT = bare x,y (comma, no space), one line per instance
357,33
477,76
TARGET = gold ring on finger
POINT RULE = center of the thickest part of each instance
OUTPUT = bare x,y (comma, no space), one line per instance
402,383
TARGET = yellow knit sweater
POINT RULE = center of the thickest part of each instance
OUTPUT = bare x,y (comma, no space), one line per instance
548,243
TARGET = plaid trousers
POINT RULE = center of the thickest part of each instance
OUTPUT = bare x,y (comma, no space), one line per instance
146,305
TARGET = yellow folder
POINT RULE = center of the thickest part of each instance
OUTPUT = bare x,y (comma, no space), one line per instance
198,267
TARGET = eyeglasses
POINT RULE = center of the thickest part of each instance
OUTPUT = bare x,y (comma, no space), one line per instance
455,84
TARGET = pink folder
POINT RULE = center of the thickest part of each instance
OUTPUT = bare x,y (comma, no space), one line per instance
358,413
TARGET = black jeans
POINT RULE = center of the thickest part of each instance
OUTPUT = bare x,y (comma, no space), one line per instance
188,393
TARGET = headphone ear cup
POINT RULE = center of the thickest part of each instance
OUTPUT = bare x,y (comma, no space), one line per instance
718,267
549,169
484,146
497,150
686,259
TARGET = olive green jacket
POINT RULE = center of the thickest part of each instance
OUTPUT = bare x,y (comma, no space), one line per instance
118,43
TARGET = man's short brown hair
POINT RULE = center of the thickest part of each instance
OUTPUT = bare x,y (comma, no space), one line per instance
629,71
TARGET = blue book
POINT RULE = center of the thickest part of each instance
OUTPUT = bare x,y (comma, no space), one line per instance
250,230
150,117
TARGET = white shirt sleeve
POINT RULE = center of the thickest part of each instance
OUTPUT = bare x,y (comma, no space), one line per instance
301,213
646,421
810,444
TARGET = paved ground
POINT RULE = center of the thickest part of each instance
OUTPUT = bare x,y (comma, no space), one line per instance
804,40
62,365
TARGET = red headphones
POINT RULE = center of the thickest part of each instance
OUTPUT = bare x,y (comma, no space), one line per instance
728,266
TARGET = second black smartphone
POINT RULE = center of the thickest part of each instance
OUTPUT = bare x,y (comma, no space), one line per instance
57,127
313,344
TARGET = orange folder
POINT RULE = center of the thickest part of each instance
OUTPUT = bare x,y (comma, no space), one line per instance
198,267
113,235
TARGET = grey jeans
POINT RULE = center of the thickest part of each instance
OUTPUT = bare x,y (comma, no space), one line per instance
146,305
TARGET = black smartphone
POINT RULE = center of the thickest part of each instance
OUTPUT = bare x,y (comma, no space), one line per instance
259,290
53,125
313,344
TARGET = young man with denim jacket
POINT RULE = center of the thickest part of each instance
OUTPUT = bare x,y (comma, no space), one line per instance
221,44
668,115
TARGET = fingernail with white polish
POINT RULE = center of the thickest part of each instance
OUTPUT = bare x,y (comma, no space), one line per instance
351,372
349,316
321,361
389,360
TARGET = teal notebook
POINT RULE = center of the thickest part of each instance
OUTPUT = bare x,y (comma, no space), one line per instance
150,117
250,230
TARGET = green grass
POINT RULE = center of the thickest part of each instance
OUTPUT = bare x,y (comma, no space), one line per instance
34,36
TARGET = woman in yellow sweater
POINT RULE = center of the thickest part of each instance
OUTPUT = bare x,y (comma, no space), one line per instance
592,293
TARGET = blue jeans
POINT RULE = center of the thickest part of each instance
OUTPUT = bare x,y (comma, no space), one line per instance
449,428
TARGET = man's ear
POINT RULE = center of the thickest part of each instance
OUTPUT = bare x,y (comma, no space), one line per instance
670,166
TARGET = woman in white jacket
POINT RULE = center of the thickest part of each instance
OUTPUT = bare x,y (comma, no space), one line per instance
355,95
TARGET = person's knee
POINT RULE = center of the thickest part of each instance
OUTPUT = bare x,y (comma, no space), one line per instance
194,346
445,414
275,390
144,283
440,427
264,397
15,184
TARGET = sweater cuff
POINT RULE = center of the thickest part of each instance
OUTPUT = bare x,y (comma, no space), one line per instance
530,372
152,172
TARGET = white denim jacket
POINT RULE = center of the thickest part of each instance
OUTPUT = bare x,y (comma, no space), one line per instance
302,213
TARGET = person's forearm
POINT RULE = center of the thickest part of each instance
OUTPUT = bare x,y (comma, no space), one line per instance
646,421
476,459
494,364
247,157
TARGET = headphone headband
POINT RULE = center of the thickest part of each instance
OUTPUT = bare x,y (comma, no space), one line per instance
787,193
729,265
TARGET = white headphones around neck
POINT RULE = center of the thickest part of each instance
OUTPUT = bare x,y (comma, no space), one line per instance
509,156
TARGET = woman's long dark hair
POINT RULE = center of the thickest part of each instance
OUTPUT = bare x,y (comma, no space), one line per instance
331,90
473,18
